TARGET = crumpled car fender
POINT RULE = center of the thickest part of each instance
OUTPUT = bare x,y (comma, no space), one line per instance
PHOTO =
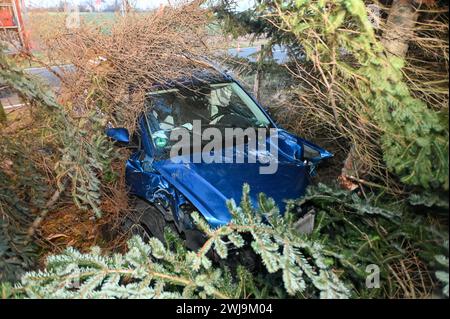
154,187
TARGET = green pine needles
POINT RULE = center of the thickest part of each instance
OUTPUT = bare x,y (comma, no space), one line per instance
339,39
443,274
82,150
351,233
279,245
152,270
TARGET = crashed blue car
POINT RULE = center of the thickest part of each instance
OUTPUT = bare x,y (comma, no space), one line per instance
167,191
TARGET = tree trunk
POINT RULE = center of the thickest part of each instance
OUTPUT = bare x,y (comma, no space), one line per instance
258,75
400,27
398,32
126,6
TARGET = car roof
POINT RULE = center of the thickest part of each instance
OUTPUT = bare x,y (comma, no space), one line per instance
210,74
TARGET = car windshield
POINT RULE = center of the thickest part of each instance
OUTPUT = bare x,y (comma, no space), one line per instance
222,105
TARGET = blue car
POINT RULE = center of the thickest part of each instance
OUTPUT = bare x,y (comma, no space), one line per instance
169,185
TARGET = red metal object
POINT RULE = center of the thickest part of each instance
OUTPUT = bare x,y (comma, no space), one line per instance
11,19
6,17
20,7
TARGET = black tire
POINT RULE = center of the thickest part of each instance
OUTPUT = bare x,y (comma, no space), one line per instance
147,221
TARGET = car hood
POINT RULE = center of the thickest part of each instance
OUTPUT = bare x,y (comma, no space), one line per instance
209,185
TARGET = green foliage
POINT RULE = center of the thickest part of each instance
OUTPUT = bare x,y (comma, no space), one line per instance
357,232
15,257
2,114
87,154
145,271
442,275
24,84
248,22
84,152
22,186
429,199
279,245
339,40
415,138
351,233
25,187
154,271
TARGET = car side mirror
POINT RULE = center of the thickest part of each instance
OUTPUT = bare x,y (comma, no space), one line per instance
120,135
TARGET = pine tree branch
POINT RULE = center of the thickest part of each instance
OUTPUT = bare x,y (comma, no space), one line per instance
40,218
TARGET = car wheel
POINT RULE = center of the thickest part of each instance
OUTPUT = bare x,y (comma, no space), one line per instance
147,221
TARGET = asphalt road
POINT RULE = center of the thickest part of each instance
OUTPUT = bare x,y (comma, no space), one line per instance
11,101
48,77
279,54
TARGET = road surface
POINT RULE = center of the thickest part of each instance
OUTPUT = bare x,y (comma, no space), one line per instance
11,101
279,53
48,77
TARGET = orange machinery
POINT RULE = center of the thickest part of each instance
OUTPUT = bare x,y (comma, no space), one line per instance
12,21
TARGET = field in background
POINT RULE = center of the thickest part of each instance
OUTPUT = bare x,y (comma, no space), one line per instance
43,24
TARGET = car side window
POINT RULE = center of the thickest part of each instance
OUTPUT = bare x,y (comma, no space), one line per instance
160,113
220,97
